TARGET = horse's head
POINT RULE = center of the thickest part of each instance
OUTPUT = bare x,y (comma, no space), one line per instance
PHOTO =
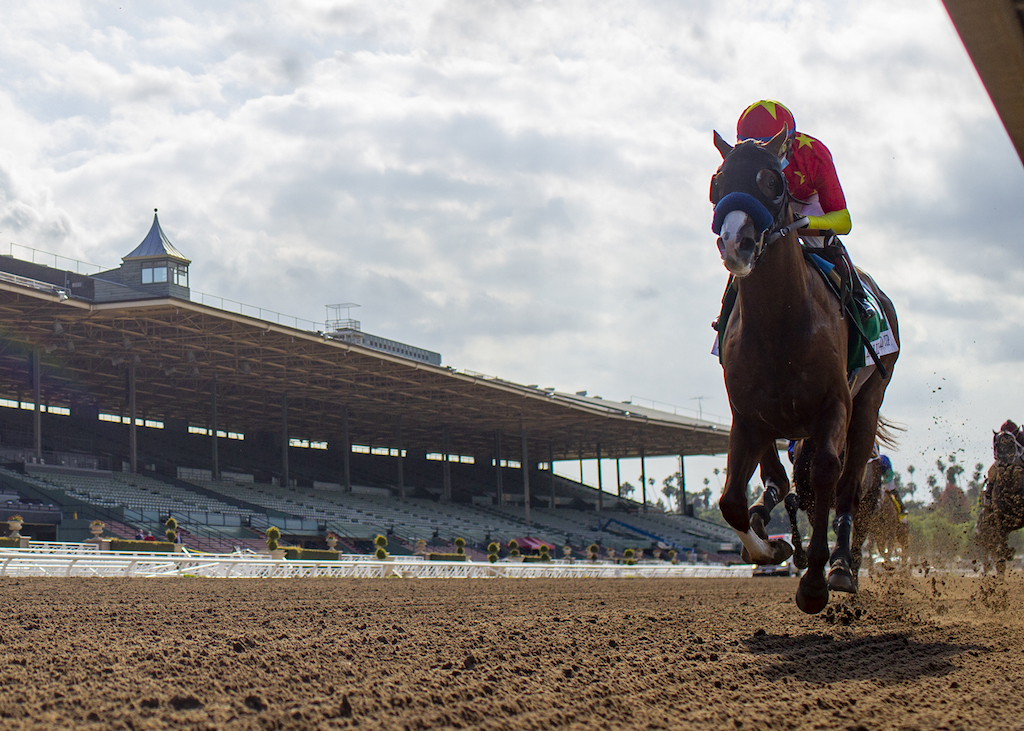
1005,448
749,194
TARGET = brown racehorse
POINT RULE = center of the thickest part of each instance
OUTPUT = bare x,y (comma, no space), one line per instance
784,355
879,520
1002,501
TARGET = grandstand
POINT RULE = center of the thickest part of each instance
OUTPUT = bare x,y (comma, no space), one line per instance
124,399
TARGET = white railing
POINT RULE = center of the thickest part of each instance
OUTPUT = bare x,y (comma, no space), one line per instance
78,562
255,311
31,283
38,256
64,549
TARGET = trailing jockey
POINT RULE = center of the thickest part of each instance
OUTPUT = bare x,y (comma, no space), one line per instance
816,197
889,491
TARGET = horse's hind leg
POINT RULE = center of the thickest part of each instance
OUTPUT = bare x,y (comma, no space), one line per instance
844,563
801,497
1003,554
792,503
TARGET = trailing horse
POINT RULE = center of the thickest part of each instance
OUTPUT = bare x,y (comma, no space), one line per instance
785,353
1002,500
880,520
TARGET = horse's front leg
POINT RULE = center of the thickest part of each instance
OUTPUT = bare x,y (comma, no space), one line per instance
826,467
745,451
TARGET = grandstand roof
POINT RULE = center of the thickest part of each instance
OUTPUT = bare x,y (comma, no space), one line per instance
178,346
993,33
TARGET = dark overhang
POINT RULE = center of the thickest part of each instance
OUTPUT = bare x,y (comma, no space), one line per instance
993,34
177,347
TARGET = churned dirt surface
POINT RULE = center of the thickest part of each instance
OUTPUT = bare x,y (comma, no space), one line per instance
501,654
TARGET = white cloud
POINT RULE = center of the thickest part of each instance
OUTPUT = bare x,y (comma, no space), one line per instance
522,185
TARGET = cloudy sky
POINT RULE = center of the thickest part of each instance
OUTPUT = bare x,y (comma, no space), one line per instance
522,186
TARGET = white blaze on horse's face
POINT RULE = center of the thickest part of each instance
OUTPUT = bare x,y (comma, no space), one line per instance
738,243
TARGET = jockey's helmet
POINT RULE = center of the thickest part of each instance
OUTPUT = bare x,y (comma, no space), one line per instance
763,120
885,463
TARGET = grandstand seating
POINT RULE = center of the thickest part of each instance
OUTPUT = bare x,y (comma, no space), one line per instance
219,514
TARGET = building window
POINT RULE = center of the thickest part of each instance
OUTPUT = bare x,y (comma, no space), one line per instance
154,274
165,272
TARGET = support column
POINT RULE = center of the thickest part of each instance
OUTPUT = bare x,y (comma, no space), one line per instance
600,481
682,486
497,468
213,423
285,479
525,466
346,445
551,471
643,477
133,436
401,462
618,477
37,398
446,470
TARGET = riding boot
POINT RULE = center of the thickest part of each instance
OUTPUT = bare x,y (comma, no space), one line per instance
835,252
728,302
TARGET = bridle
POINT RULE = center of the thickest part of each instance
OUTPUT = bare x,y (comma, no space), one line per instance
772,185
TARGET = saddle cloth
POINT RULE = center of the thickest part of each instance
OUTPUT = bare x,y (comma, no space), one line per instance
873,321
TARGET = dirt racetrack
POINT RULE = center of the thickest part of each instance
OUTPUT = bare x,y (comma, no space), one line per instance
508,654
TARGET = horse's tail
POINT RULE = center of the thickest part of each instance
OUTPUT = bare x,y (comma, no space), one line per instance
885,432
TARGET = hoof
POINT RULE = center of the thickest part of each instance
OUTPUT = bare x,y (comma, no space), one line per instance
841,578
781,551
811,602
800,558
757,522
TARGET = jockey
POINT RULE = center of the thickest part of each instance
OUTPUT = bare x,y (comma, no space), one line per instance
1010,426
889,491
816,197
814,187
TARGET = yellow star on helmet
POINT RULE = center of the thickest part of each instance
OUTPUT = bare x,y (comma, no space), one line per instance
803,140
